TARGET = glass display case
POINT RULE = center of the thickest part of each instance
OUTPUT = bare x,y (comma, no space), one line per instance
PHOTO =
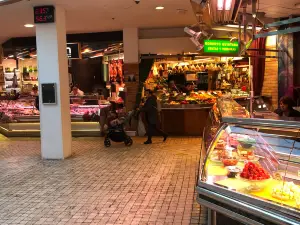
20,118
251,172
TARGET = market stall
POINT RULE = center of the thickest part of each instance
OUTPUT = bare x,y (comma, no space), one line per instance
188,88
250,172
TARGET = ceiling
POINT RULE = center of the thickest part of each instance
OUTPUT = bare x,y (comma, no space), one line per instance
277,8
85,16
97,15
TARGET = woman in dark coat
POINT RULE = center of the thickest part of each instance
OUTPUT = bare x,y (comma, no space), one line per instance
151,114
286,105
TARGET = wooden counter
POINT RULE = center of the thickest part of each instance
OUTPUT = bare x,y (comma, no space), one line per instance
185,121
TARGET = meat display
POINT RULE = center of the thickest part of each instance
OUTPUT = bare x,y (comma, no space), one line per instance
14,109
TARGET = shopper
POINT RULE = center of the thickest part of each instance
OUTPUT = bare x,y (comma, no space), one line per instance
76,91
285,109
104,114
151,114
37,102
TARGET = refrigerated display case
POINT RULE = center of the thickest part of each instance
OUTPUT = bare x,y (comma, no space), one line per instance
20,118
251,171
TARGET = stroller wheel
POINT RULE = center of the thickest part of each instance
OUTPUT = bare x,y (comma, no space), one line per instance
107,143
128,142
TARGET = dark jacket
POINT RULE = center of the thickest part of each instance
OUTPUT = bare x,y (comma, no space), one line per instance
150,109
293,113
37,102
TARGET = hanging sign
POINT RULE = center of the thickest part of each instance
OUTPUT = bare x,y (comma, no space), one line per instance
44,14
73,51
221,47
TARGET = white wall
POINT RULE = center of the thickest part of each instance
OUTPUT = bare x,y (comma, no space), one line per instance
166,45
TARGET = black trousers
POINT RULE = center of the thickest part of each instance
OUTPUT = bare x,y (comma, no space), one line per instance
152,129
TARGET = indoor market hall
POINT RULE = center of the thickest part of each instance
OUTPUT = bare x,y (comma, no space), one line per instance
149,112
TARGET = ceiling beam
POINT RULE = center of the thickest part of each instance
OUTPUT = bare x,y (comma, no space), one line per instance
285,31
282,22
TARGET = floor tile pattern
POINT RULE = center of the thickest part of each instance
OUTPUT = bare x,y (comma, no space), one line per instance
118,185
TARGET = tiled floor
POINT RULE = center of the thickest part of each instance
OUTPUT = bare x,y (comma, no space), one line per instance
118,185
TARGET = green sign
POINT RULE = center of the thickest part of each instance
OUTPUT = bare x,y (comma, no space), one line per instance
221,47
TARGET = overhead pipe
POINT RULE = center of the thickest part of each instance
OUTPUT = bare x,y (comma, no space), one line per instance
254,11
245,24
240,34
237,11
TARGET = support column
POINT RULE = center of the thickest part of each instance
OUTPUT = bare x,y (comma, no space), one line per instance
53,68
131,45
131,65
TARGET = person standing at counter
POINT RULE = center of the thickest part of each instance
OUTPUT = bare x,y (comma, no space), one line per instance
285,109
188,88
173,87
151,114
76,91
34,91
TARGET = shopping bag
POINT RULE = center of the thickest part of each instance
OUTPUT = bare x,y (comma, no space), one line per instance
141,128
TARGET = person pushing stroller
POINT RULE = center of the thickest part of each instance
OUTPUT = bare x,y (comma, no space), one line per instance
114,130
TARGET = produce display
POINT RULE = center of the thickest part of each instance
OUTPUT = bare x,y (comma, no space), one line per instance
254,171
230,108
175,98
236,159
286,191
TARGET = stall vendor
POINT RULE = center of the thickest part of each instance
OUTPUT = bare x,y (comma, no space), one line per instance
188,88
34,91
285,109
172,86
76,91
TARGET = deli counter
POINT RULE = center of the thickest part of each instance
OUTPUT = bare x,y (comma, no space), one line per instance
20,118
251,170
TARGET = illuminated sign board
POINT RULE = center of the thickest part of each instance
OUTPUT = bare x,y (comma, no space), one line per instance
221,47
44,14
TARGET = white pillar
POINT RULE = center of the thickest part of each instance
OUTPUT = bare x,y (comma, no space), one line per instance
55,120
131,45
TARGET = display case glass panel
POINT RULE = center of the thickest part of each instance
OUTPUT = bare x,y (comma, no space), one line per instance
262,163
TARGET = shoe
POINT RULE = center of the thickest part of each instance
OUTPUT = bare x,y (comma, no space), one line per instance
165,138
147,142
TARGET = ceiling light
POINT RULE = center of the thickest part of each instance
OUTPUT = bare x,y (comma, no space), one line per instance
29,25
159,8
228,4
242,27
220,4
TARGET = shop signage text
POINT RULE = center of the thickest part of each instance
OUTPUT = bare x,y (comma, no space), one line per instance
73,51
222,47
44,14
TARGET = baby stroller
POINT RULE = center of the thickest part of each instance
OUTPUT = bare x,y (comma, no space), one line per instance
116,133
